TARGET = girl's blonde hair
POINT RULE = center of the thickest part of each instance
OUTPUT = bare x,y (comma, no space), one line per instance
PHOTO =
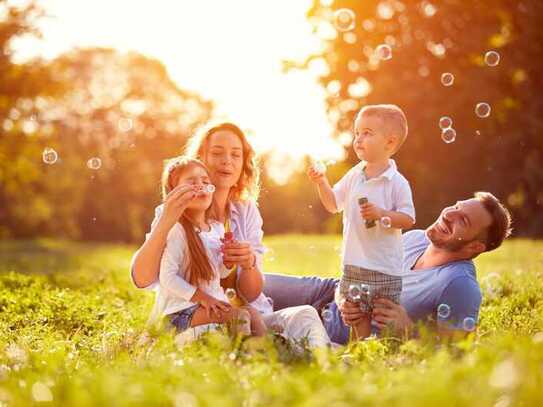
248,185
200,270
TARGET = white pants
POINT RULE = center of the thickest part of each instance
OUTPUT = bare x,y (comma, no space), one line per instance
298,323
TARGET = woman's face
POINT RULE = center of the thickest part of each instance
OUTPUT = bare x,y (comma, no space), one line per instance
198,178
224,159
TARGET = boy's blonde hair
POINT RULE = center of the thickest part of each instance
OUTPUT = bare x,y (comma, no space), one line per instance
393,118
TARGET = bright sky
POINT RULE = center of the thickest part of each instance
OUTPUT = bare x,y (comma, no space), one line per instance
228,51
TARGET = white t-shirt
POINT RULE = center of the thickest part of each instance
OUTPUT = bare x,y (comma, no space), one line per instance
175,291
246,225
378,248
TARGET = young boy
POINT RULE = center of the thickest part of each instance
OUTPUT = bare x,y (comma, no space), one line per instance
377,204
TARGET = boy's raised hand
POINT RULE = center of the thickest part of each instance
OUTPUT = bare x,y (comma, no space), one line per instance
316,176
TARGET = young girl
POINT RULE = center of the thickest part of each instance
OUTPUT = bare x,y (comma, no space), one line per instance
190,294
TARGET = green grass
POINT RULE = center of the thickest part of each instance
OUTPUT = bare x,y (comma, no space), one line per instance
71,324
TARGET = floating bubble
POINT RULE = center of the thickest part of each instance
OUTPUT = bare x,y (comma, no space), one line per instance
365,290
344,19
230,293
354,292
327,315
209,188
492,58
94,163
447,79
482,110
125,124
41,393
49,156
319,167
384,52
443,311
386,222
469,324
445,122
448,135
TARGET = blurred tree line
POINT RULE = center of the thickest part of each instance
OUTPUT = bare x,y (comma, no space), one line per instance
502,153
124,109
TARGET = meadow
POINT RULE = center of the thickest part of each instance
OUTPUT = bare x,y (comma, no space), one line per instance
72,333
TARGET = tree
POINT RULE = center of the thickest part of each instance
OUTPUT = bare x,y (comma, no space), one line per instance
502,153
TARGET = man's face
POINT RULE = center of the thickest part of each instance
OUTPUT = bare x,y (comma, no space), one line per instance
459,225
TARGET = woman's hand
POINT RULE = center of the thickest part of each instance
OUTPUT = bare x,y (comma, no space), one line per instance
210,304
239,253
176,202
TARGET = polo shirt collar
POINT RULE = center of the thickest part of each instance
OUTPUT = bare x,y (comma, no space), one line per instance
388,174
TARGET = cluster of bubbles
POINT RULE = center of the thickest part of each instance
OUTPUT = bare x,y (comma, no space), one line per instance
50,157
444,312
356,291
448,134
482,109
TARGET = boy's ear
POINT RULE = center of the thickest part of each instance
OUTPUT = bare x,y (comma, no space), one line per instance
391,141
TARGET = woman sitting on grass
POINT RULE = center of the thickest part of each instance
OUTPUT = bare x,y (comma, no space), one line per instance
190,268
232,168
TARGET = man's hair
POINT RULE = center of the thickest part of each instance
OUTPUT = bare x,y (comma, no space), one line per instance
500,227
393,118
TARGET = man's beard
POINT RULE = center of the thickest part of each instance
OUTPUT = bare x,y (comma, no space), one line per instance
451,245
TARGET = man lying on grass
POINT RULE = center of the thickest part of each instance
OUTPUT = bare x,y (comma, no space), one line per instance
439,278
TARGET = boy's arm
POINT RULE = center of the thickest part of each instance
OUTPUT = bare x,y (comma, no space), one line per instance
326,193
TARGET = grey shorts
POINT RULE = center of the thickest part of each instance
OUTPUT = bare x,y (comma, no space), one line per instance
181,320
363,286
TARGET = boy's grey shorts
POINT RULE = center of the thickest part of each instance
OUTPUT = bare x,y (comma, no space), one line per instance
380,285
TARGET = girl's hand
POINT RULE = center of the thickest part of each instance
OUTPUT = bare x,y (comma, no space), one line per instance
370,211
238,253
176,202
210,304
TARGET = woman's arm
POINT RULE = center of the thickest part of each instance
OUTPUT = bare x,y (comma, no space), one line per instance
146,261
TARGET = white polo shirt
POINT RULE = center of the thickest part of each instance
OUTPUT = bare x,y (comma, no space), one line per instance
378,248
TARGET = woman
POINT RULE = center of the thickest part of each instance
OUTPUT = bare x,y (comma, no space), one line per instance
232,168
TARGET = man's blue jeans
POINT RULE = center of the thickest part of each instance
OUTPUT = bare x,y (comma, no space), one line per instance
289,291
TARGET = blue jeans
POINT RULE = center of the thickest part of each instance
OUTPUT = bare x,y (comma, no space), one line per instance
289,291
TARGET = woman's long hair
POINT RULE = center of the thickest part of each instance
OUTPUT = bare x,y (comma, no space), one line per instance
200,270
248,185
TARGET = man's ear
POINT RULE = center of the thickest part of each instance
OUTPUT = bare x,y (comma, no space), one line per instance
476,247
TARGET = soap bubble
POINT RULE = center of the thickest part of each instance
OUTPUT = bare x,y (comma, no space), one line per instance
230,293
344,19
448,135
445,122
447,79
94,163
125,124
482,110
384,52
319,167
209,188
49,156
492,58
354,292
443,311
327,315
386,222
469,324
365,289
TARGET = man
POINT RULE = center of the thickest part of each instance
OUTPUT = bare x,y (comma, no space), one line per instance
438,273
